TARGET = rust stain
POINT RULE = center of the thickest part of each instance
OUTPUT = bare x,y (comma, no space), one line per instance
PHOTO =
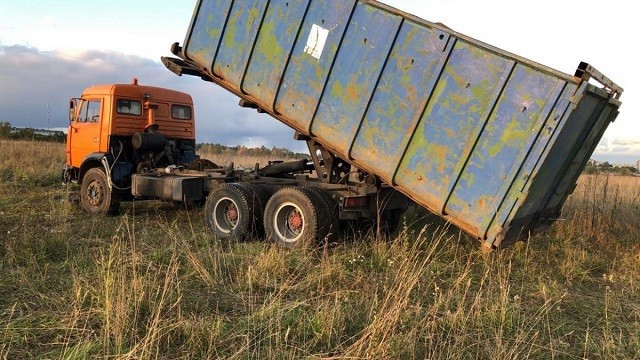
439,152
412,94
451,133
351,92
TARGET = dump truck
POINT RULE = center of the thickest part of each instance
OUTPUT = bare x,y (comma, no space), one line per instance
136,142
488,140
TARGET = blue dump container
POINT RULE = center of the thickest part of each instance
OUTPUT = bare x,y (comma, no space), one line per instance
492,142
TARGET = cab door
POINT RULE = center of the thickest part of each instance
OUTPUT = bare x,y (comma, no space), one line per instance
84,134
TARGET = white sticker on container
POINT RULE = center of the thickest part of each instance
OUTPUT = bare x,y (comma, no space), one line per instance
317,40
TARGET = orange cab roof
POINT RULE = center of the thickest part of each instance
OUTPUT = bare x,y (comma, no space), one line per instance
136,91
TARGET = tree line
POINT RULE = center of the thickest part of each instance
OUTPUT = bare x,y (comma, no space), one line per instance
9,132
596,167
241,150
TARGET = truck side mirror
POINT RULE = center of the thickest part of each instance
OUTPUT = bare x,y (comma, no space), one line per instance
73,103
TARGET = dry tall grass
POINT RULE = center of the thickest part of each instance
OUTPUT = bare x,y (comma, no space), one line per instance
247,162
606,206
30,162
153,284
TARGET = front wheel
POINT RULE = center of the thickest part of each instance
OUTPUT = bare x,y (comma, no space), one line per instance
96,196
297,217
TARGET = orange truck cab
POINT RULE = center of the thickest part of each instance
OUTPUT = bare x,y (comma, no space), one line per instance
119,130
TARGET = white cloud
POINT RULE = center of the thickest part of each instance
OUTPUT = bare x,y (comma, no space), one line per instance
626,142
47,22
620,150
617,150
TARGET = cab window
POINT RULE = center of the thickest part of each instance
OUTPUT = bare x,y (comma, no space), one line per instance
128,107
90,111
181,112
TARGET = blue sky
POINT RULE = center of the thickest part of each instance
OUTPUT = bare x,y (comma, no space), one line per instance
67,45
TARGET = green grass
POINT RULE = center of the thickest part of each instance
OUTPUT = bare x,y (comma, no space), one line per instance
152,283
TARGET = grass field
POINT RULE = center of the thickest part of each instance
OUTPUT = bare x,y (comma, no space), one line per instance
152,283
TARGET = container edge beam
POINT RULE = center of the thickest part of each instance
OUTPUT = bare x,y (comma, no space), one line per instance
586,72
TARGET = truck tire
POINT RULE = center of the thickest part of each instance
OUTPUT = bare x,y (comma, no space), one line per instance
392,220
296,217
233,211
96,197
333,209
263,193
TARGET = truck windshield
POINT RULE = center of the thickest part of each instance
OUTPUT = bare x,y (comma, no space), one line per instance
90,111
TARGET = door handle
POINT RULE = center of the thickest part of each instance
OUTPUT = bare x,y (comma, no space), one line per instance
96,139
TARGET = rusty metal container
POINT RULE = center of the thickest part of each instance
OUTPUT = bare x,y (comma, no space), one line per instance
490,141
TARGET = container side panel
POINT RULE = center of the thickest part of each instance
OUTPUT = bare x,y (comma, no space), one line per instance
206,32
313,55
275,41
520,113
519,193
584,150
552,169
564,180
402,94
460,105
238,39
354,76
571,135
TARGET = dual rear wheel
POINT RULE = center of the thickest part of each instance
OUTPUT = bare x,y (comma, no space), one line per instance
298,216
233,211
290,216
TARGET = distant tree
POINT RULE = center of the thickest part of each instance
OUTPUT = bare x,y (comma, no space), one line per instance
242,151
5,129
24,134
606,166
591,169
628,170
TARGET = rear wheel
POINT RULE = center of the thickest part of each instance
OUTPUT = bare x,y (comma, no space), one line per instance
332,210
297,217
96,197
391,221
232,210
261,195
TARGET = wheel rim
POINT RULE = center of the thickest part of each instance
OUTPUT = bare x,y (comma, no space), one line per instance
94,193
289,222
226,215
